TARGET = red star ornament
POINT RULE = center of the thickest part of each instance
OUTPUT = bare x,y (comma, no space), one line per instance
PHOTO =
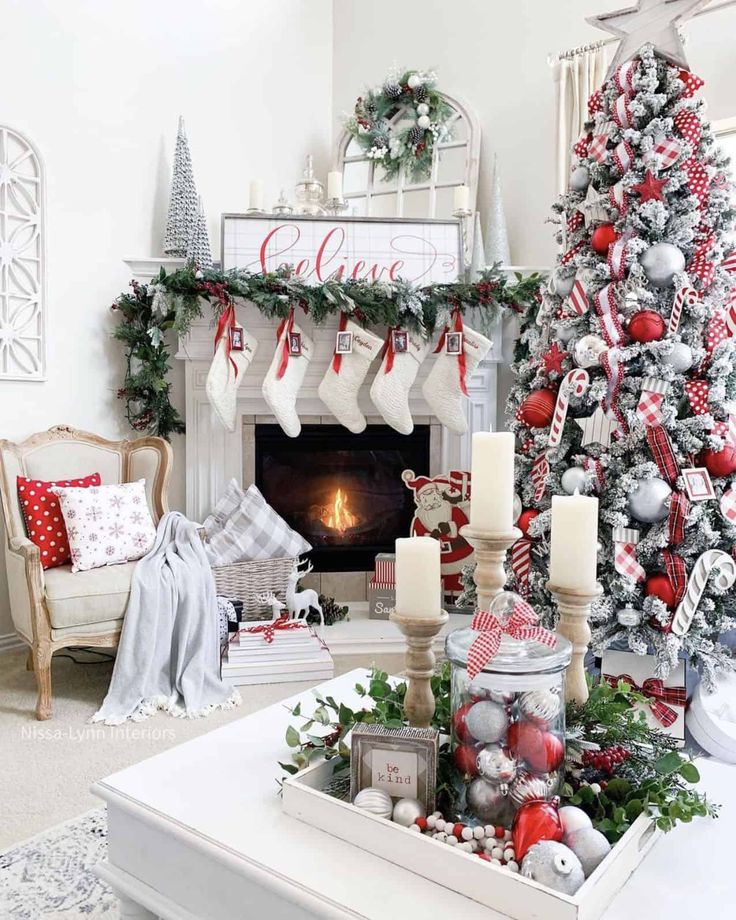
650,189
552,359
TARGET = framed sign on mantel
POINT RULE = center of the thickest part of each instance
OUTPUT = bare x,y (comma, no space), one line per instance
420,252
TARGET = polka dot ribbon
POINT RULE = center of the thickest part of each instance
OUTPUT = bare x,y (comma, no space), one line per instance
522,624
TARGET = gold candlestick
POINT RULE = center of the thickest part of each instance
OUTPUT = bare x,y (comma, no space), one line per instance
419,703
574,607
490,556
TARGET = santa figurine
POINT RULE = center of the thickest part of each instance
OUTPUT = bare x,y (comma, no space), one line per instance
443,505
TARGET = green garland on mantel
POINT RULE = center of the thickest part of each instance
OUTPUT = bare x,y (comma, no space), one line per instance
172,301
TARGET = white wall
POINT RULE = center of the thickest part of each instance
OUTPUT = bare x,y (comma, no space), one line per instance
98,88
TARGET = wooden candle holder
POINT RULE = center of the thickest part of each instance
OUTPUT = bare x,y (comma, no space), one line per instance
490,556
574,608
419,703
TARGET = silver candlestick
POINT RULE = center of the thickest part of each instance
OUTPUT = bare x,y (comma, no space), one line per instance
335,206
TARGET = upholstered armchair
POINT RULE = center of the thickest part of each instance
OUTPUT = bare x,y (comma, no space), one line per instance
54,609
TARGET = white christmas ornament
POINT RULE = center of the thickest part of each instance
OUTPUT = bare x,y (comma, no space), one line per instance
680,359
390,388
406,812
376,801
590,847
442,388
344,377
517,507
423,121
573,479
661,262
223,381
628,616
565,333
284,379
414,81
579,179
588,350
573,819
649,500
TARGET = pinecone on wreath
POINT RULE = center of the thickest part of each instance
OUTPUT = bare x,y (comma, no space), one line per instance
415,135
392,90
420,93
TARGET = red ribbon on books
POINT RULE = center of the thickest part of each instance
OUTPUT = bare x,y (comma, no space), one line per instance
659,695
225,323
522,624
457,320
342,326
288,324
269,629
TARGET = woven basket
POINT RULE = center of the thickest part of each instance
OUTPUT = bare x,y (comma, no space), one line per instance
243,580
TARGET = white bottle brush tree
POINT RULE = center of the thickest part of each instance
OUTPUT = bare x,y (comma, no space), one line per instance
626,372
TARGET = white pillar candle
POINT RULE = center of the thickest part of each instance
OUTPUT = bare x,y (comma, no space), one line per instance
492,482
255,197
334,184
573,557
461,198
418,577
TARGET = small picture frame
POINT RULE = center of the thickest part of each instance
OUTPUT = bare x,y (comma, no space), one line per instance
295,344
454,343
698,484
236,338
400,341
401,761
344,343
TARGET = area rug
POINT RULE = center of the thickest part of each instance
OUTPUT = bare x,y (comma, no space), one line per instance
49,877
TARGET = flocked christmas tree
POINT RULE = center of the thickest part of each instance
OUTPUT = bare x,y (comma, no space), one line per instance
198,250
183,200
625,375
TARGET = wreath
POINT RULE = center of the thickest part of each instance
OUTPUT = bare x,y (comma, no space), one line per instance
409,142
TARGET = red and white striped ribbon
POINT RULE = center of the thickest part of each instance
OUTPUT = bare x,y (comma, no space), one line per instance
624,76
683,296
578,300
574,383
729,315
623,156
607,310
624,558
521,564
622,112
594,465
617,257
619,198
729,263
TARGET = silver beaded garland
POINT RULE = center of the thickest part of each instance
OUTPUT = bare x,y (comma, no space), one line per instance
540,706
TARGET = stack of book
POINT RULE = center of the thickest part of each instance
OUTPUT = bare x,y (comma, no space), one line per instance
275,651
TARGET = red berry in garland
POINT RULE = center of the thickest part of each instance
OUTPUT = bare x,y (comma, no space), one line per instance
603,237
538,408
646,326
720,462
659,585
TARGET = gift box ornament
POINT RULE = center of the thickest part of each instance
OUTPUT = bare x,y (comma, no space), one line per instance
382,587
508,710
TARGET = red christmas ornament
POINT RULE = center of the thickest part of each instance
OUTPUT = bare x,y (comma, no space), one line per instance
466,759
651,188
538,408
458,723
646,326
720,462
525,519
542,750
659,585
534,822
603,237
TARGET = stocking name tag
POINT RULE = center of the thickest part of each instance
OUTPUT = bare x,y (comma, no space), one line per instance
237,342
344,343
400,341
454,343
295,344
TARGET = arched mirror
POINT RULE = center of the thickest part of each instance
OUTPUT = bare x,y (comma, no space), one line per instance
455,162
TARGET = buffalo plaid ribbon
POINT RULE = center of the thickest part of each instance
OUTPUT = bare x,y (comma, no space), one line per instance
662,451
522,624
269,629
668,150
728,505
676,572
679,507
624,558
661,698
598,149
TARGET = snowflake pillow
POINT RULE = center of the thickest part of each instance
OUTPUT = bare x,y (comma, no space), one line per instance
106,524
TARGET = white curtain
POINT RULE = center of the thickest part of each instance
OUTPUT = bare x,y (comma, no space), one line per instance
576,79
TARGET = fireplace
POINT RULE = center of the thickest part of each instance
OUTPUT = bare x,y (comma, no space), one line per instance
343,492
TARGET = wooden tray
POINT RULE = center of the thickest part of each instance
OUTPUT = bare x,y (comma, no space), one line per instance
492,886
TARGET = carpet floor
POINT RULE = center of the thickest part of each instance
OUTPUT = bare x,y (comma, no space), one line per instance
47,768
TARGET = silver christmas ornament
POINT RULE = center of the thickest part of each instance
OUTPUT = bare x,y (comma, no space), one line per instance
530,787
487,721
376,801
590,847
572,479
495,763
680,359
573,819
517,507
561,284
627,616
565,334
661,262
554,865
406,812
648,501
488,802
588,350
540,706
579,179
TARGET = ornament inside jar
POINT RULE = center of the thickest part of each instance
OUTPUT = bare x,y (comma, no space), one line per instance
508,711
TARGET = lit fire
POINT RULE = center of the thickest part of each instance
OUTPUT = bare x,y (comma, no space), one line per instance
338,516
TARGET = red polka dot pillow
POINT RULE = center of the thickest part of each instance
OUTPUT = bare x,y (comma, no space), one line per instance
44,520
106,524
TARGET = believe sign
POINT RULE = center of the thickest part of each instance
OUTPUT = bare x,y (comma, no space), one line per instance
421,252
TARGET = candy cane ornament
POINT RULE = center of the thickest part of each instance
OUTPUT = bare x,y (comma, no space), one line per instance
574,383
711,560
685,295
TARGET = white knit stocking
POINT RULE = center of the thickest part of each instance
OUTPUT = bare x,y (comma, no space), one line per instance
222,381
390,389
339,388
442,388
281,392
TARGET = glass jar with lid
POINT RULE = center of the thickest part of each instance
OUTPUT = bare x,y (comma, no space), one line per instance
508,711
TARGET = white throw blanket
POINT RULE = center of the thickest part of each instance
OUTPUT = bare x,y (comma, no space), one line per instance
168,656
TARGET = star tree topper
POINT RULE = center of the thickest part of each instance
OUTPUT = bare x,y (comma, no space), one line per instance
650,21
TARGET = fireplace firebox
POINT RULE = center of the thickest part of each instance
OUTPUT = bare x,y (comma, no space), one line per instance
343,492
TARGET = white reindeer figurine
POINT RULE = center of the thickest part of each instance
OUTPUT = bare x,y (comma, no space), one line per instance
270,599
299,602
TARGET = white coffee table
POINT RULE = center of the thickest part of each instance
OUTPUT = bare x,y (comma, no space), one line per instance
197,833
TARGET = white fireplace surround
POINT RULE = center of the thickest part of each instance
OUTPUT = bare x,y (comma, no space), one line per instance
214,455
